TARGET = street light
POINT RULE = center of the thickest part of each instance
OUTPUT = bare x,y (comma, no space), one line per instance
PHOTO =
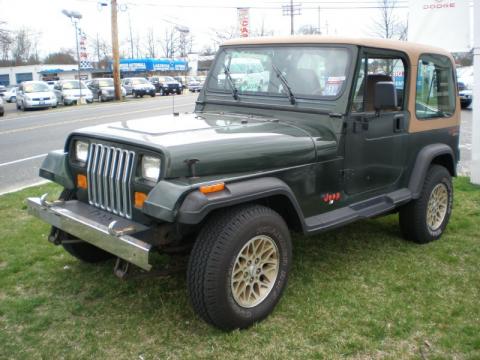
75,16
184,31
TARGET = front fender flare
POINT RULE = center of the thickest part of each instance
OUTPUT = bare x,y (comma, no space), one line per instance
196,205
55,167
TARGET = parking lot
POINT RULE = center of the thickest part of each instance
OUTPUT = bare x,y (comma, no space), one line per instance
26,137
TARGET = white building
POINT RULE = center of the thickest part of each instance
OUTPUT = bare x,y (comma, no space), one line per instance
14,75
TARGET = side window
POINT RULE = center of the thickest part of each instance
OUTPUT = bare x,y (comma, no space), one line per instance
435,97
378,69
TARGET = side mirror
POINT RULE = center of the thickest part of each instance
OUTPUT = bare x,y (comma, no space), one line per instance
385,95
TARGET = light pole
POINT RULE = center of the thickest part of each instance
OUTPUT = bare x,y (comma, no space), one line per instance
75,16
184,31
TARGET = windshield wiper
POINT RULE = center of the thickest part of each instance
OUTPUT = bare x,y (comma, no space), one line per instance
285,83
231,82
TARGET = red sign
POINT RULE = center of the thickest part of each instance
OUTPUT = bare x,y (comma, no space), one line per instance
244,21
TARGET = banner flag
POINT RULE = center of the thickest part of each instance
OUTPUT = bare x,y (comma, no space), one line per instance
244,21
442,23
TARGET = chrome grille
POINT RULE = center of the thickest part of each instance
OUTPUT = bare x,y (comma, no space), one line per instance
110,171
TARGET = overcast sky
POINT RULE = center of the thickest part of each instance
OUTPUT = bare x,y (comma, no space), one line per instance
201,16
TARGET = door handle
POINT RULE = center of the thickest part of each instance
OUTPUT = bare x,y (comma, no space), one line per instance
398,123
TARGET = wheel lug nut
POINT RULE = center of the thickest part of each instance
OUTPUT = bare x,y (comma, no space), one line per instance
258,271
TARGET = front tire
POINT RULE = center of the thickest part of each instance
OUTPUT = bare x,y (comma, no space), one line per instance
239,265
424,219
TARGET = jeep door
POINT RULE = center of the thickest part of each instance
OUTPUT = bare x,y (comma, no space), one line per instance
375,139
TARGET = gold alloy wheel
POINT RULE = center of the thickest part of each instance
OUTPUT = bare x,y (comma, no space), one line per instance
255,271
437,207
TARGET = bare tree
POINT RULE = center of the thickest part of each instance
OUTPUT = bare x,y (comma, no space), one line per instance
222,35
6,42
388,25
170,43
262,30
64,56
22,46
151,42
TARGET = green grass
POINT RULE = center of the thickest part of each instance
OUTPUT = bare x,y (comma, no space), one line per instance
358,292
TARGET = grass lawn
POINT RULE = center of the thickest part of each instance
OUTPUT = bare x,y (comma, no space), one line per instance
358,292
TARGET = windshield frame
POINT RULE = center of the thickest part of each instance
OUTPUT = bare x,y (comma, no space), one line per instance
349,71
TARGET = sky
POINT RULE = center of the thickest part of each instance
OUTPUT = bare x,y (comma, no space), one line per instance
202,17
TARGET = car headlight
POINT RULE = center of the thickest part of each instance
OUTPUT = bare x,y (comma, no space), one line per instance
150,168
81,151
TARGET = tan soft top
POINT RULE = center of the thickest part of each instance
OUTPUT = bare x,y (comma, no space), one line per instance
408,47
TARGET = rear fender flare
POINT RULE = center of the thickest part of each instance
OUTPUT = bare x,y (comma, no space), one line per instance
424,159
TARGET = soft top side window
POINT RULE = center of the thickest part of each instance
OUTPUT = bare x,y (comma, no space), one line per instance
378,68
435,96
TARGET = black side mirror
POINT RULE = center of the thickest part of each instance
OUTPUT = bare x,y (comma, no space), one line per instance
385,95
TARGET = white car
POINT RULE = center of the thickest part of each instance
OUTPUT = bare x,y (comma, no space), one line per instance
465,85
10,95
35,94
69,92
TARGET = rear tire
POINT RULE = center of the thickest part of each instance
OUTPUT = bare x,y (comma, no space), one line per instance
81,250
424,219
239,265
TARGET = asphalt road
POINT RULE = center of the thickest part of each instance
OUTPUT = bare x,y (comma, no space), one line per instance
26,137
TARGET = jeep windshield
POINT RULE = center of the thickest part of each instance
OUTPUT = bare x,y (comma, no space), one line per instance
140,81
309,72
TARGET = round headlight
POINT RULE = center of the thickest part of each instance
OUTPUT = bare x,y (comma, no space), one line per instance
150,168
81,151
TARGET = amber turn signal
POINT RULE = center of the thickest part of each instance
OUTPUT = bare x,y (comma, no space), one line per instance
139,199
207,189
81,181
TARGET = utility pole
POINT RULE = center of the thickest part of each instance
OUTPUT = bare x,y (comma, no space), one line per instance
475,165
116,56
291,10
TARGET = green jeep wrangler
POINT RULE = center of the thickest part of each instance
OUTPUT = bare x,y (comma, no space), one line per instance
294,134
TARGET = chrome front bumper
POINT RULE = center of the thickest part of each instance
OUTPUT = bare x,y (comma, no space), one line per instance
104,230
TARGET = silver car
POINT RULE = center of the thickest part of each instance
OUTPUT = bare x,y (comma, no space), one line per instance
35,94
70,92
2,109
138,86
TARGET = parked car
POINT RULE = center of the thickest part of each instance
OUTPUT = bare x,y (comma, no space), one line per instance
2,108
103,89
70,92
138,86
10,95
180,79
166,85
465,85
3,89
35,94
370,132
194,85
51,84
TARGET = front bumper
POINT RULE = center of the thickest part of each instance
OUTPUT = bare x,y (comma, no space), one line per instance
107,231
37,104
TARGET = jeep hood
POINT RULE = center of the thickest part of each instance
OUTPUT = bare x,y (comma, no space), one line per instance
222,144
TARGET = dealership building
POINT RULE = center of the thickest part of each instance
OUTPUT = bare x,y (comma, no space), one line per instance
13,75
